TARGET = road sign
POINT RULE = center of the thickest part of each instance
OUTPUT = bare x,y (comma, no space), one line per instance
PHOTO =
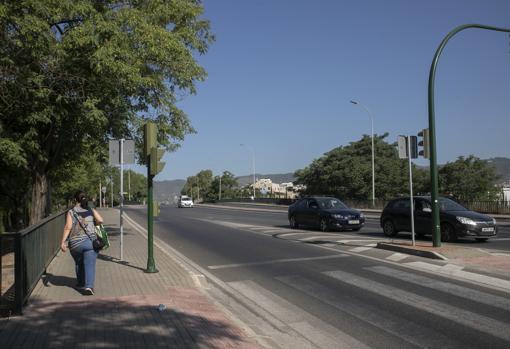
129,151
114,152
128,148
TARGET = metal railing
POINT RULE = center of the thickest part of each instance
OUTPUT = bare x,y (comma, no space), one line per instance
34,248
489,207
494,207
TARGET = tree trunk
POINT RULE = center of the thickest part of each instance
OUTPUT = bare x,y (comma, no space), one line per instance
39,194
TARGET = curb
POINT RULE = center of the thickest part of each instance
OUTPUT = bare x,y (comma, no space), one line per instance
411,251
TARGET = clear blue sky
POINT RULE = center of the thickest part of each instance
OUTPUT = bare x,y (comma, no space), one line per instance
282,72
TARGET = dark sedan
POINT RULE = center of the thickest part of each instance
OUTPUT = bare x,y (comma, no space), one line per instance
456,220
326,213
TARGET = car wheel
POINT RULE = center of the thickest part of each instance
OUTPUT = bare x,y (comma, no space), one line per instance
481,239
448,233
389,228
324,225
293,223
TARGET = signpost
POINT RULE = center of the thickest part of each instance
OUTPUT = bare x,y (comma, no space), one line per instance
121,152
405,150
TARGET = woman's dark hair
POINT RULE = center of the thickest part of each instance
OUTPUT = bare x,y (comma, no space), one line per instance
80,195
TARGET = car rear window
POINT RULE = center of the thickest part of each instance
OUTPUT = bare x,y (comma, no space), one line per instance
402,203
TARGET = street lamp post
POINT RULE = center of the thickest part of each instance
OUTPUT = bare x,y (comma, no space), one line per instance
219,192
436,228
252,164
373,153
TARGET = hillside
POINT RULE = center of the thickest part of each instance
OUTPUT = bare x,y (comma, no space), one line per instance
502,168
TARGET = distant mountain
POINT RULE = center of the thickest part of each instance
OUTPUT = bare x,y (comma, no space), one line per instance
167,190
502,168
275,178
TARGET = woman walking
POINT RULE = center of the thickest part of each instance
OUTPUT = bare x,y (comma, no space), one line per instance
79,232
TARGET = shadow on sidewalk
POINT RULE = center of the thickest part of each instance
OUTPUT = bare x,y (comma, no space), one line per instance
107,258
112,230
118,323
58,280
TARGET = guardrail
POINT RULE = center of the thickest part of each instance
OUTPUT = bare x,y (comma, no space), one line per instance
489,207
32,250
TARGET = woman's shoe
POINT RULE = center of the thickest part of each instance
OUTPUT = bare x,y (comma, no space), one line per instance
87,291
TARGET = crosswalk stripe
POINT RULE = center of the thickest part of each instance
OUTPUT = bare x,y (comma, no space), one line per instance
463,317
310,327
447,287
393,324
465,275
397,257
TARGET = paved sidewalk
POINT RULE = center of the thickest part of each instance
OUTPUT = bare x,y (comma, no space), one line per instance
124,312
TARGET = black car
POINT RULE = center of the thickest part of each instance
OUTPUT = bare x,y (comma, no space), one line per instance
455,220
325,213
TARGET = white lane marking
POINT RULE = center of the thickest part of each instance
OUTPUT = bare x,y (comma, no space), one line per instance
363,248
256,228
488,281
443,286
463,317
316,237
361,240
406,330
273,231
274,261
397,257
289,234
315,330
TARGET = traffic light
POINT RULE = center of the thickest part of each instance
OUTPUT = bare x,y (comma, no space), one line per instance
425,152
156,166
155,208
150,137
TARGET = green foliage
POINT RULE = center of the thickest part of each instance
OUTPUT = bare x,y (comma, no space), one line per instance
205,187
346,171
228,186
78,72
468,179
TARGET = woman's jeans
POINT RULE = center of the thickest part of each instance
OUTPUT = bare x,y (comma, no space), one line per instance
85,259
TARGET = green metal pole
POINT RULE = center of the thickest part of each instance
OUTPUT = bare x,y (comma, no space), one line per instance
151,265
436,227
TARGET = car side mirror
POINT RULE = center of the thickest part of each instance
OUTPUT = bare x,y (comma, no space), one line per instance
427,209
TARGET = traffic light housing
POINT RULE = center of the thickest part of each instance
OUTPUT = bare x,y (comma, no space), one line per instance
150,138
155,165
424,143
414,146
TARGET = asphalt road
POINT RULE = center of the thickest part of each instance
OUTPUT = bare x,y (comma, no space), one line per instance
333,290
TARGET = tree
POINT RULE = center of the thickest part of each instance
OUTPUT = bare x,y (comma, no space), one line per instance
76,72
346,171
468,179
228,186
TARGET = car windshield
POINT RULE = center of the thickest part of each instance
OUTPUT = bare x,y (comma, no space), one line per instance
329,203
450,205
